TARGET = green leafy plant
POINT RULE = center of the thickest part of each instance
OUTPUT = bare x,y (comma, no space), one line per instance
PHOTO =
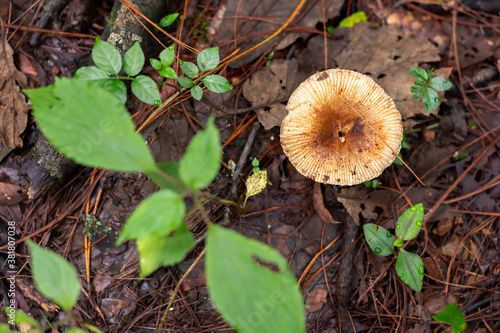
92,127
409,266
109,64
452,315
374,183
351,20
426,87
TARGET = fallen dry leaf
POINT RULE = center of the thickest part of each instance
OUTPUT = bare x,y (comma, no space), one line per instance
316,299
13,106
449,247
11,194
357,201
272,85
250,22
319,205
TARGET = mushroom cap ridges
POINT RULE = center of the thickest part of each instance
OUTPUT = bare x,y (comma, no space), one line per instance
341,128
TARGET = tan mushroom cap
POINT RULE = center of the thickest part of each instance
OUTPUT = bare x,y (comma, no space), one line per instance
341,128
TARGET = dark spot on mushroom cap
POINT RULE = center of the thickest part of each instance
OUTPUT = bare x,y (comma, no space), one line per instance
322,76
338,179
325,178
360,150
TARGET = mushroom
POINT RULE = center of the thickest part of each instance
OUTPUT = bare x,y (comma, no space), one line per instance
341,128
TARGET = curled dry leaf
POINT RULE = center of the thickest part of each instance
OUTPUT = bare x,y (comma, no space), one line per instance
13,106
320,206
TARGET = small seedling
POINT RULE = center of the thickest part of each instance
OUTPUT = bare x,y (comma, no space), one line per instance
351,20
452,315
426,87
374,183
457,156
255,163
409,266
168,20
269,57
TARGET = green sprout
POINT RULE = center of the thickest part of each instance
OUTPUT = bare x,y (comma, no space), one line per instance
427,86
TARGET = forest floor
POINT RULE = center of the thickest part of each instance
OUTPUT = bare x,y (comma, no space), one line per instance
454,150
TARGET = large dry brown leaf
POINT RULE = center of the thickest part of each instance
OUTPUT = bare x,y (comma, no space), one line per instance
250,22
13,106
270,85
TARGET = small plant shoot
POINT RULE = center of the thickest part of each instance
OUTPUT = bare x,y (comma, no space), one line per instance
452,315
409,266
426,87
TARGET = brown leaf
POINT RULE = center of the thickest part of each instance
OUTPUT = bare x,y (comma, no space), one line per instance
11,194
270,85
13,106
320,206
25,65
315,299
357,201
250,22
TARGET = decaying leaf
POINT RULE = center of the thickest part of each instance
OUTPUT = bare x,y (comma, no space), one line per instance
250,22
256,183
271,85
358,202
13,106
315,299
319,205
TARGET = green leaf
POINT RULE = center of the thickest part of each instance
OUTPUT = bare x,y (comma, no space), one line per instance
155,63
197,93
92,328
168,72
440,84
217,83
106,57
410,222
133,60
168,20
251,284
55,278
20,317
165,250
90,126
430,99
350,21
398,242
419,73
208,59
158,215
90,73
379,239
75,330
452,315
145,89
410,269
116,87
167,56
170,168
5,328
185,82
189,68
201,162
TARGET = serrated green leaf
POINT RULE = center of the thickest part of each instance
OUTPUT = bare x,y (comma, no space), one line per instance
133,60
90,73
420,74
116,87
167,56
355,18
90,126
185,82
379,239
410,269
410,222
155,63
189,68
157,216
106,57
171,168
208,59
452,315
440,84
168,20
168,72
201,162
217,83
251,284
145,89
55,278
197,93
430,99
164,251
